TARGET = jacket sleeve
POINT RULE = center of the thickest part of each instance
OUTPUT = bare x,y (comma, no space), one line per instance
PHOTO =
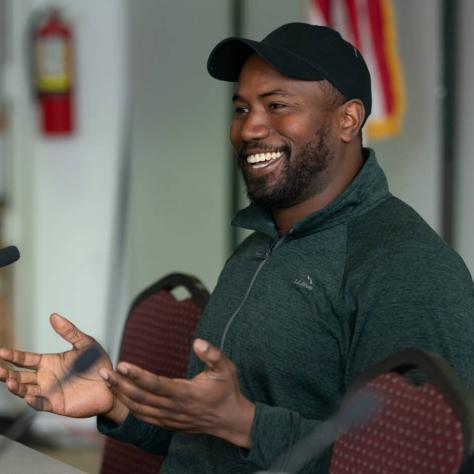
418,297
277,436
275,432
149,437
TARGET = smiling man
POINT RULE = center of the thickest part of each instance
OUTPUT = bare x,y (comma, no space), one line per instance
287,134
337,275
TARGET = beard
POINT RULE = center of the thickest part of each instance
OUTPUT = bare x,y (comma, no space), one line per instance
298,176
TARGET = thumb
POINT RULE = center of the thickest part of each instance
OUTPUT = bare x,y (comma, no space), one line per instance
212,356
69,332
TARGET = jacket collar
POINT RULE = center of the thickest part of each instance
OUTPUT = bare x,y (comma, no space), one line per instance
367,189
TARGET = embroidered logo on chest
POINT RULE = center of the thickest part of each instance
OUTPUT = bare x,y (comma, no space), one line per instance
305,282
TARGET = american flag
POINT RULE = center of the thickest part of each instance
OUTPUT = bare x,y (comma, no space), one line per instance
370,26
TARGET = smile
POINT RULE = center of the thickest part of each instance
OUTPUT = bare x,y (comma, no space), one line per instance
262,160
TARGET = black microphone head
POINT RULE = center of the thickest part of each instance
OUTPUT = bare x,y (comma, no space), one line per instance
360,408
9,255
86,360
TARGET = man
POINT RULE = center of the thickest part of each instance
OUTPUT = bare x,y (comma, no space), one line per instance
337,275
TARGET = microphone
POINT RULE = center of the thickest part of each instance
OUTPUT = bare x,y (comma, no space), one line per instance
359,408
9,255
82,364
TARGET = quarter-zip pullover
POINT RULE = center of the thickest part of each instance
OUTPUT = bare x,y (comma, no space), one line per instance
302,315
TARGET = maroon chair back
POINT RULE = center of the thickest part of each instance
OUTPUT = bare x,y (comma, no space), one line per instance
158,337
418,429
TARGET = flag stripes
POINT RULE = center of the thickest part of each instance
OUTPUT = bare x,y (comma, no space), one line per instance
370,26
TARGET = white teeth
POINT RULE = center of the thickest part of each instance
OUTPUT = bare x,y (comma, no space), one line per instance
260,157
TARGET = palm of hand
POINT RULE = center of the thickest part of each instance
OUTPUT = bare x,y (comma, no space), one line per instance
80,395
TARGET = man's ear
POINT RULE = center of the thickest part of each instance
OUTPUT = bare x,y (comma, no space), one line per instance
352,115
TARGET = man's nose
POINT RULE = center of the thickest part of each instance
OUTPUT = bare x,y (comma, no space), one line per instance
254,127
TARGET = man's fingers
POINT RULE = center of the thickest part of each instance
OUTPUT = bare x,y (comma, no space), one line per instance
69,332
21,376
28,360
30,390
212,356
39,403
13,386
144,389
166,415
155,410
23,389
156,384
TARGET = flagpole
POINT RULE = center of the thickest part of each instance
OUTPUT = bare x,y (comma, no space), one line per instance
448,119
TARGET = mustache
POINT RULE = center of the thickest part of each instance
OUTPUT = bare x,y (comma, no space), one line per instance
262,147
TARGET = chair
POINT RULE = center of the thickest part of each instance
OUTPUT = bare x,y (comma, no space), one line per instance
417,429
157,336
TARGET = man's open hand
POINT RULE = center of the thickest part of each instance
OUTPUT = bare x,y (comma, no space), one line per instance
43,386
209,403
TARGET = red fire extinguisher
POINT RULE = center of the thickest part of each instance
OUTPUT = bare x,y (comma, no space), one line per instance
54,74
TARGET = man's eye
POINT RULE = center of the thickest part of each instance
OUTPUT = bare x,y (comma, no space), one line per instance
240,110
276,106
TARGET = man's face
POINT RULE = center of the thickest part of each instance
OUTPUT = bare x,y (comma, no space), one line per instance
281,132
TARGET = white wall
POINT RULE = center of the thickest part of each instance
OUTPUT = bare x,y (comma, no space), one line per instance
412,160
65,190
179,147
176,214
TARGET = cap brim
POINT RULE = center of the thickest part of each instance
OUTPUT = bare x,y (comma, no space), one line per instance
227,58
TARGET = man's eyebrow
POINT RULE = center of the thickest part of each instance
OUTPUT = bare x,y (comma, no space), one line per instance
278,92
237,97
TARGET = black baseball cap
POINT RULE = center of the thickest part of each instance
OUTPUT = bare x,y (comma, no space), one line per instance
302,51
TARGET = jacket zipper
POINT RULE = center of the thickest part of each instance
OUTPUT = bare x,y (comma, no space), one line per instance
271,248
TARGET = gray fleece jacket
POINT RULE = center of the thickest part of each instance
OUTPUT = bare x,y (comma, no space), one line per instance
301,316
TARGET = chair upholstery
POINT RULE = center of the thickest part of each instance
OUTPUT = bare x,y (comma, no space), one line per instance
157,336
417,429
